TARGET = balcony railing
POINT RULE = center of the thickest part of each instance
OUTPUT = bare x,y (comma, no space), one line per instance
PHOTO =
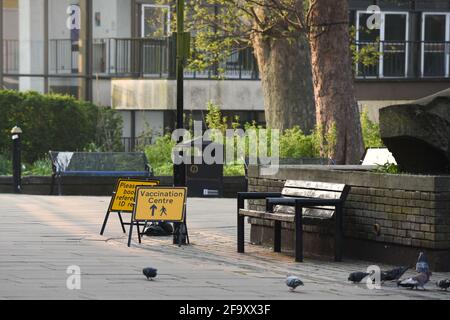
405,59
155,58
146,58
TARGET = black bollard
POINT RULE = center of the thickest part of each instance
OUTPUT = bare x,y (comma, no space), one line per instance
16,133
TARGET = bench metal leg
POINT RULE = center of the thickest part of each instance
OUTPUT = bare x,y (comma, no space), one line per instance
338,234
240,226
298,233
59,186
277,236
52,186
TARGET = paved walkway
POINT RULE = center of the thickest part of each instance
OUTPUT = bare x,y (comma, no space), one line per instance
41,236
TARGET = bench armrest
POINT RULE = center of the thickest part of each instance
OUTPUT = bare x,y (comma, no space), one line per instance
242,196
303,201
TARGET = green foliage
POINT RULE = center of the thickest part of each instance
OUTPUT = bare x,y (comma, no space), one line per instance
55,122
295,144
41,167
5,166
370,132
234,170
389,168
159,155
366,55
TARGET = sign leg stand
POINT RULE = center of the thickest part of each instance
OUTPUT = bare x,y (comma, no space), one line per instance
105,222
121,223
131,231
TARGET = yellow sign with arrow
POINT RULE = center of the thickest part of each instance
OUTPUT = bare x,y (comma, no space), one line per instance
159,204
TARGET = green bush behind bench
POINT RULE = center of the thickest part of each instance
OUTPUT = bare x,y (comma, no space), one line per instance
55,122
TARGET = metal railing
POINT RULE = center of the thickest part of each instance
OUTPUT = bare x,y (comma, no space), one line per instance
404,59
155,58
11,56
146,58
135,144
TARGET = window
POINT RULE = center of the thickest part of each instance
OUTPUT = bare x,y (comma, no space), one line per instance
435,44
391,40
155,21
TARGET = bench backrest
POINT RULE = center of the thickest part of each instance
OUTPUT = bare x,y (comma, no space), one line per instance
98,161
313,189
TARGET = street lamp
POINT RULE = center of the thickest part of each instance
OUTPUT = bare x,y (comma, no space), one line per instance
182,44
16,134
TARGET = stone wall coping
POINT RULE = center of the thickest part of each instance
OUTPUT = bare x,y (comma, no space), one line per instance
358,176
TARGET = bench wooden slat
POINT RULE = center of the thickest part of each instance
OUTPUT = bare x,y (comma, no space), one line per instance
310,193
265,215
339,187
321,213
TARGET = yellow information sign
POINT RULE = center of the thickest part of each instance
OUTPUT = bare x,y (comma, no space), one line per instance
160,204
123,198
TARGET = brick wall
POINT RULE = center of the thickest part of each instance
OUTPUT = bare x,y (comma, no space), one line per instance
409,210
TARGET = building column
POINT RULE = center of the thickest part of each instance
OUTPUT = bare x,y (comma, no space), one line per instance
31,44
85,53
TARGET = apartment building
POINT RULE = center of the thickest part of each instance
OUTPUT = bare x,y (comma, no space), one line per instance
126,58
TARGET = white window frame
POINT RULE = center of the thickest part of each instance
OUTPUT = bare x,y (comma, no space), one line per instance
382,39
162,6
447,39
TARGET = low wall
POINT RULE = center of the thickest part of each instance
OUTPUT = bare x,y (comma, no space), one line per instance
412,212
100,186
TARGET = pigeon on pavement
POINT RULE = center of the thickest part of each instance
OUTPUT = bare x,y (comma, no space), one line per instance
357,277
293,282
422,264
150,273
393,274
415,282
443,284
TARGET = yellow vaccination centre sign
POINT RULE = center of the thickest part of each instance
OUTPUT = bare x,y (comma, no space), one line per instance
160,204
123,198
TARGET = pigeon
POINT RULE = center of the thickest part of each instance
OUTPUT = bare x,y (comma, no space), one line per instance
443,284
422,264
415,282
150,273
393,274
293,282
357,277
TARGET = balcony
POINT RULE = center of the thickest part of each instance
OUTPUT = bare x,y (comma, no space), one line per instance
405,60
155,58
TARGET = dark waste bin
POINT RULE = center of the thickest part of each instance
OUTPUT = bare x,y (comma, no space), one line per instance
202,179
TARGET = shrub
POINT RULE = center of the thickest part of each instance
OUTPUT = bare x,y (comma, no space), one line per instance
370,132
159,155
55,122
5,166
293,142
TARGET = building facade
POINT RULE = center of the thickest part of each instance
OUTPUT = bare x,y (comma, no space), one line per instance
120,54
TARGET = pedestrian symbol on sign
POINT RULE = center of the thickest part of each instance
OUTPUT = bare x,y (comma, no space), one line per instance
163,211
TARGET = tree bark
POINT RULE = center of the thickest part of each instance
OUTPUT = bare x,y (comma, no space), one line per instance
285,71
336,106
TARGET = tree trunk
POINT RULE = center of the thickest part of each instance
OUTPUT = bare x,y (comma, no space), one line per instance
285,71
336,107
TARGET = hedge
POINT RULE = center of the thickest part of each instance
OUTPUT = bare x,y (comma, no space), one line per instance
55,122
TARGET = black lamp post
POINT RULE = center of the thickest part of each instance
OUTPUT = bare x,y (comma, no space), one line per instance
16,134
179,170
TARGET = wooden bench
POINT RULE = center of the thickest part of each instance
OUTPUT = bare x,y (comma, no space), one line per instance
98,164
297,201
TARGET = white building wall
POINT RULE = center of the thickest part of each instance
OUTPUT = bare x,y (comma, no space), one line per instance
31,43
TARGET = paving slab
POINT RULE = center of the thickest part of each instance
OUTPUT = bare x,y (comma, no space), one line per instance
41,236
